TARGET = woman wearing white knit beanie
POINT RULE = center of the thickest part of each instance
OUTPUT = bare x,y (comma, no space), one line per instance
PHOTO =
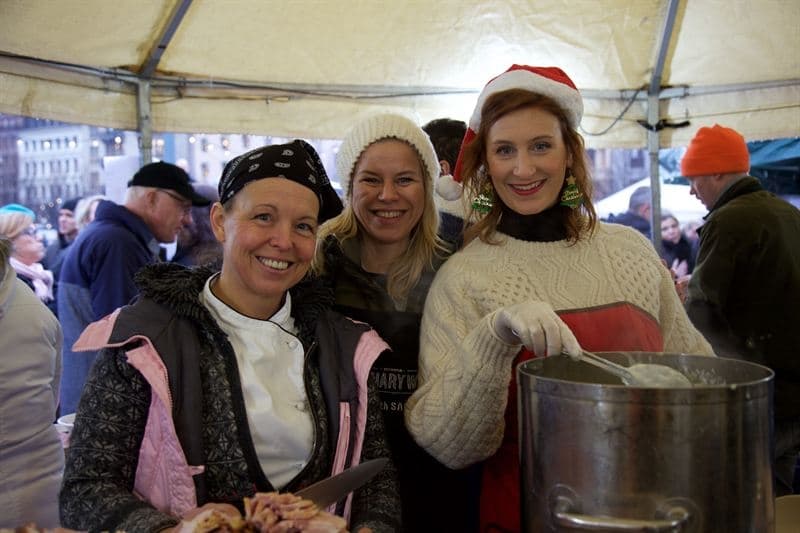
381,254
538,275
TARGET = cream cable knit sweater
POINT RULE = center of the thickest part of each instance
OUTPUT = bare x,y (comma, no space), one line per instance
456,414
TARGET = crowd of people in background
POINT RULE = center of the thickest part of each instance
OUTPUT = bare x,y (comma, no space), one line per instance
295,333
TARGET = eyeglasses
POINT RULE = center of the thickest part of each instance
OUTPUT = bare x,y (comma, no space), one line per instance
186,206
30,231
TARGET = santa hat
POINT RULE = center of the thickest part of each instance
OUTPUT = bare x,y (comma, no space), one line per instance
549,81
377,128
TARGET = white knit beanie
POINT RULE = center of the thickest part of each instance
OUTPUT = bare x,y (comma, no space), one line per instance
379,127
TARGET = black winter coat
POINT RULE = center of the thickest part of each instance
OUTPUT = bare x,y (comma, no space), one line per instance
209,410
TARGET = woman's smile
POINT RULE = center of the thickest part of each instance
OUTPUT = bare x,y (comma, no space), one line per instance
527,189
274,264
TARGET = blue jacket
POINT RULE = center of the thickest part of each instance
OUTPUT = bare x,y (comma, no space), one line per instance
631,219
96,278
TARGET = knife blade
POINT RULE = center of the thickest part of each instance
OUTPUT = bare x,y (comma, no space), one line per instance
332,489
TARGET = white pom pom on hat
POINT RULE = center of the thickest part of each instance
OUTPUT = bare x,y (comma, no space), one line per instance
377,128
448,188
549,81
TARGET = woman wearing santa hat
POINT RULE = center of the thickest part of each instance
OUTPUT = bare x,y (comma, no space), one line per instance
538,275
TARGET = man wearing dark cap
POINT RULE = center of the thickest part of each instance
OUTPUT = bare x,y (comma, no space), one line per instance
67,231
99,267
745,288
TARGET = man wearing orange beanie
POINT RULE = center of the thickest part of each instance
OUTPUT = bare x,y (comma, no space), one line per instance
744,292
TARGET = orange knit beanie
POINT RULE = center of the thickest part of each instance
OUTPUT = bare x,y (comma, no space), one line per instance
715,150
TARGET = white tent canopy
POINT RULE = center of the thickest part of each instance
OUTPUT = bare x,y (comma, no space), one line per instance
310,68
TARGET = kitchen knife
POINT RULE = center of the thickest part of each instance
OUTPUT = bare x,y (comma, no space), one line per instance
331,490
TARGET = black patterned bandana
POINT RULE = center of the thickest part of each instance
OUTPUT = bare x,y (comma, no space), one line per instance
296,161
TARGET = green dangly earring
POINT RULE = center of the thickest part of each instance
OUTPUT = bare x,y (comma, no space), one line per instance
572,197
483,202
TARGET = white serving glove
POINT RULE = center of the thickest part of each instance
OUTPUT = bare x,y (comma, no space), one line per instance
537,327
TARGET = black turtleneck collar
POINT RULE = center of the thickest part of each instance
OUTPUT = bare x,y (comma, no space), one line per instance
547,226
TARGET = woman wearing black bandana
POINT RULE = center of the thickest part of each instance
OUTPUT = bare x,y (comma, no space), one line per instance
538,275
216,385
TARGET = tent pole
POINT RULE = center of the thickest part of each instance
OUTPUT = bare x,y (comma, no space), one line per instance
143,88
144,122
174,20
653,144
653,113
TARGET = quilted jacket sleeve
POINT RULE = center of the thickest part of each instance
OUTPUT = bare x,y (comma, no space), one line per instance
97,491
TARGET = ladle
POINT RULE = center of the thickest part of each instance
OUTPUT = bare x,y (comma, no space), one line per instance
640,375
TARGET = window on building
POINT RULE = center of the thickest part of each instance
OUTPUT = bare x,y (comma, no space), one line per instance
158,148
114,148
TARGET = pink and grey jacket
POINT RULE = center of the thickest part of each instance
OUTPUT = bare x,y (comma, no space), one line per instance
165,397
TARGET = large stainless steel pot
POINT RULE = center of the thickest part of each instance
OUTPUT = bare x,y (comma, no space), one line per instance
599,456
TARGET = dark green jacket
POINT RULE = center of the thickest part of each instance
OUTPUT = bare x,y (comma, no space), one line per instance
744,294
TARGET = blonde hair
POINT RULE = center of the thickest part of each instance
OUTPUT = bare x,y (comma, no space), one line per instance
84,209
5,253
579,222
424,244
14,223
